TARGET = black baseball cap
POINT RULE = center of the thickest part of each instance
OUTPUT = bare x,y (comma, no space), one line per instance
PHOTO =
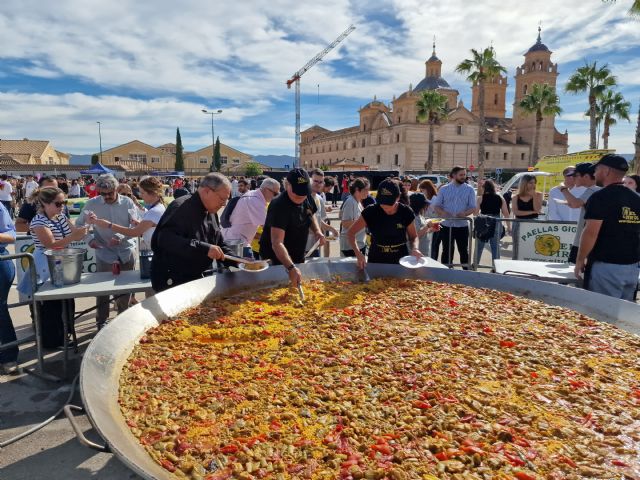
388,192
585,168
613,161
298,178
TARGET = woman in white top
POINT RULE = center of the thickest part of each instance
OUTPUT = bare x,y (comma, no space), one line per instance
151,190
350,212
74,189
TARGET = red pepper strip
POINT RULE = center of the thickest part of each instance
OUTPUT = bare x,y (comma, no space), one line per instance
567,460
514,460
636,393
524,476
421,405
442,456
385,449
507,343
523,442
229,449
619,463
534,375
275,425
166,464
472,449
182,447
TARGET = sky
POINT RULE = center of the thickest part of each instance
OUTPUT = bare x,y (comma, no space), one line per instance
144,68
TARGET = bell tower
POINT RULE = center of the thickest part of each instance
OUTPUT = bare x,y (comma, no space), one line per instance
495,97
537,68
434,64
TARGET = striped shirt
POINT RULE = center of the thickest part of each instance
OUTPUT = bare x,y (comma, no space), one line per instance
58,225
455,198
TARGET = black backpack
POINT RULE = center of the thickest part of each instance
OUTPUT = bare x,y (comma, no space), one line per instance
225,218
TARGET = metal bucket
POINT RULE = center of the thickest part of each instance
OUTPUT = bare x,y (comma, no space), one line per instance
145,264
72,259
236,246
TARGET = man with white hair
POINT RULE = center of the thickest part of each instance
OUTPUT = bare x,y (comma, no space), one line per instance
249,213
188,237
110,248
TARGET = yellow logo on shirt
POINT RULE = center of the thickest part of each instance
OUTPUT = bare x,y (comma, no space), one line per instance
629,216
399,225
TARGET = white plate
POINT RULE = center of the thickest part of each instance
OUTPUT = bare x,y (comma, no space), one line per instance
413,262
263,266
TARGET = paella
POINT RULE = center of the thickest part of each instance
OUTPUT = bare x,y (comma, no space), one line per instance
397,379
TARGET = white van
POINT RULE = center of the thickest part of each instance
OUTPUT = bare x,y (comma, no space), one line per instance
437,180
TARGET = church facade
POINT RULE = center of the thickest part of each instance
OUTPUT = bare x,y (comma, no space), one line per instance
389,137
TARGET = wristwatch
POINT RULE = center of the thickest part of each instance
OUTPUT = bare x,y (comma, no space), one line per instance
291,267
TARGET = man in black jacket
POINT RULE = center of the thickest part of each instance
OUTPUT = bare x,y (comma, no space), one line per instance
188,237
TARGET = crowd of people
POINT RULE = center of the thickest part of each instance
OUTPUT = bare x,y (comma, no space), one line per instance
286,222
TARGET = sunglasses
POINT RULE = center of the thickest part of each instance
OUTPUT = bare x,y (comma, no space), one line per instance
107,194
60,204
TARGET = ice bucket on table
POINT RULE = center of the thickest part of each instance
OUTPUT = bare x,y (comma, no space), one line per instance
71,258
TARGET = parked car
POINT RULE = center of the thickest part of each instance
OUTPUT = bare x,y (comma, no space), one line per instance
437,180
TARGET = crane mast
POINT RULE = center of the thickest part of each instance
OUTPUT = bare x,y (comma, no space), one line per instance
295,79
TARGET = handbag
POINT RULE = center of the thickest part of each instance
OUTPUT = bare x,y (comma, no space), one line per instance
484,228
42,272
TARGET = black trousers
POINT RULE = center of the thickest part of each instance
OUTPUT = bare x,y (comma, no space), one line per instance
435,245
459,235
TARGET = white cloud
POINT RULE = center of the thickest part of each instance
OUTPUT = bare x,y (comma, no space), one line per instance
238,55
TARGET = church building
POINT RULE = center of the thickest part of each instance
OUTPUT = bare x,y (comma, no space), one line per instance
390,137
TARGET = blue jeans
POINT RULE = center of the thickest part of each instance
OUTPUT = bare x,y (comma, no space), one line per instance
7,332
494,243
618,281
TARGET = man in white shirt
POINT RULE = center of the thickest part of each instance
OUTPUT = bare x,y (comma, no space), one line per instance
5,194
234,187
558,209
585,177
29,187
250,213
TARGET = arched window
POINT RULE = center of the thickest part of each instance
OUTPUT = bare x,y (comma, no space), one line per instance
495,99
459,128
525,90
540,66
397,138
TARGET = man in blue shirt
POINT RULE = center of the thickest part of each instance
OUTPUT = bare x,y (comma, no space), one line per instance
457,199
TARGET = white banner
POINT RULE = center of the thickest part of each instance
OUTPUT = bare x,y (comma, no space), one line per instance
543,242
22,264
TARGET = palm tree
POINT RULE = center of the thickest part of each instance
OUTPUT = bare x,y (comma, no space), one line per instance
594,80
482,66
634,11
432,107
611,106
541,101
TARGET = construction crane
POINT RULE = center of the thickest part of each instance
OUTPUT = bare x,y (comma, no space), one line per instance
296,79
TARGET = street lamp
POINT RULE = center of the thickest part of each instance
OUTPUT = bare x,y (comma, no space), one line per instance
100,137
213,138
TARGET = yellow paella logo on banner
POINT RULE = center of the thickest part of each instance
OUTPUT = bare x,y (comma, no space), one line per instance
547,245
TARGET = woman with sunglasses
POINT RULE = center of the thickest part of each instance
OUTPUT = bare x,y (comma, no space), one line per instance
51,229
127,191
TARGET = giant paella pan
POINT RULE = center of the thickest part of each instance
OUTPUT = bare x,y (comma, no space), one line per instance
417,374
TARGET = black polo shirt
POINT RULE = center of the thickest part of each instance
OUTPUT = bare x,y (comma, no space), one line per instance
619,238
295,220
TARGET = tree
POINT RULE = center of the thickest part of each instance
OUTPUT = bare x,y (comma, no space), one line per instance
432,107
179,167
610,108
217,161
95,158
482,66
593,80
253,169
541,101
634,11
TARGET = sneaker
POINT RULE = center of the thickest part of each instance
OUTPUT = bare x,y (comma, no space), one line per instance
70,346
10,368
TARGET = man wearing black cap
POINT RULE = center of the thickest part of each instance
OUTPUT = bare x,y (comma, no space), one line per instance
609,252
584,178
290,216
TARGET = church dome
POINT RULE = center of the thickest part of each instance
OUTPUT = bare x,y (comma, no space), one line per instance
432,83
539,46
